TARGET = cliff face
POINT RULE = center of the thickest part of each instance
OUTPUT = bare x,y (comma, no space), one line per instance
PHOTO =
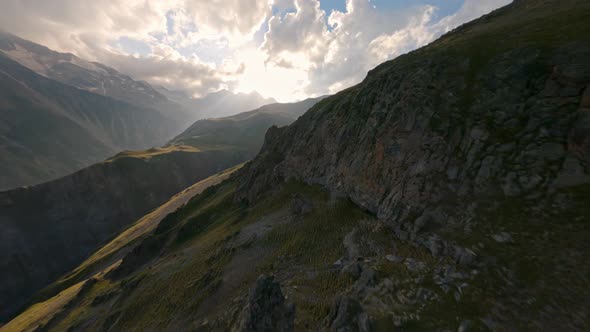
474,148
472,114
48,229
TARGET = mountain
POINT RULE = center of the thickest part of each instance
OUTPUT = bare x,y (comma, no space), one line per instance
90,76
106,81
63,102
447,191
49,129
50,228
218,104
245,130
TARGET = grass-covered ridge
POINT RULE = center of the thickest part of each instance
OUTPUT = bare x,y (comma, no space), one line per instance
212,249
152,152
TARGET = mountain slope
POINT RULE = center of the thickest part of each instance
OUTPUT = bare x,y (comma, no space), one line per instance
91,76
467,161
218,104
245,130
49,228
110,254
83,127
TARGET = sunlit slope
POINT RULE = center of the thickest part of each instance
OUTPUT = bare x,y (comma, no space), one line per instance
50,228
61,293
97,202
200,261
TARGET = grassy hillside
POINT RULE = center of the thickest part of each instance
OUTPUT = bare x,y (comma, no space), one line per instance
215,248
65,289
245,130
50,228
95,203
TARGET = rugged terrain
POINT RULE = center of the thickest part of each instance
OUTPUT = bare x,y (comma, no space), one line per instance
447,191
245,130
90,76
49,129
60,113
49,228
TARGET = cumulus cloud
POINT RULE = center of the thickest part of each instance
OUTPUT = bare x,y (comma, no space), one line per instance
339,53
287,49
236,17
177,74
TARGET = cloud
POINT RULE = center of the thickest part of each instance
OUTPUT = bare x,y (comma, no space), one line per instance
173,73
339,53
286,49
233,17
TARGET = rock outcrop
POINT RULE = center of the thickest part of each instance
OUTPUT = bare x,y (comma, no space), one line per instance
266,308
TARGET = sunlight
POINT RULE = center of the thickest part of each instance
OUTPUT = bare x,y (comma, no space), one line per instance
283,84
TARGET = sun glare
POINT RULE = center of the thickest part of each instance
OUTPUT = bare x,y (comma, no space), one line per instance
270,80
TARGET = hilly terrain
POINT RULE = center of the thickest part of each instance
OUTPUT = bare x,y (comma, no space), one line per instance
90,76
245,130
100,79
48,129
49,228
447,191
60,113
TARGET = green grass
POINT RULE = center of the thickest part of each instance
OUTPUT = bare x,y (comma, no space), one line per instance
149,153
201,243
134,234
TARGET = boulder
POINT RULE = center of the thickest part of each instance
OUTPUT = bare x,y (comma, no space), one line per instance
266,308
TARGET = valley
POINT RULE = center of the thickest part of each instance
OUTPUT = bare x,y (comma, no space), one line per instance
42,224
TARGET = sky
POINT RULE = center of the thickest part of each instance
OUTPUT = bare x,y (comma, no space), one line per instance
285,49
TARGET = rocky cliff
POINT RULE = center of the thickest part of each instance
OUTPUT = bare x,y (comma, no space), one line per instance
471,114
483,135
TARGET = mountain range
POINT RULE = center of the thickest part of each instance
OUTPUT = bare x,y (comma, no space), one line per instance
60,113
48,229
446,191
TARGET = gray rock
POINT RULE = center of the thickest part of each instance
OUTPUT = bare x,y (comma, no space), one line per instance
435,245
502,237
393,258
300,205
352,269
464,256
266,308
366,279
352,248
414,265
347,315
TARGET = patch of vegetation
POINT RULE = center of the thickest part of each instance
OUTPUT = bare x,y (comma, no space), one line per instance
152,152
